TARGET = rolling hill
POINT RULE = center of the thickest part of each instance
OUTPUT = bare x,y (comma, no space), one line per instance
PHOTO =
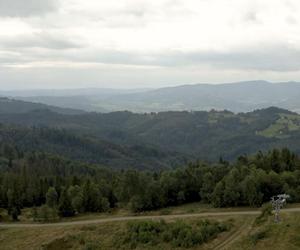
236,97
12,106
154,140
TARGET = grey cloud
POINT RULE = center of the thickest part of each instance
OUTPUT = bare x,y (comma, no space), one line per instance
10,59
273,58
251,16
26,8
38,40
277,58
291,20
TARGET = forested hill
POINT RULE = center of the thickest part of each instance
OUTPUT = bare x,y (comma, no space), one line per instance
87,149
8,106
154,140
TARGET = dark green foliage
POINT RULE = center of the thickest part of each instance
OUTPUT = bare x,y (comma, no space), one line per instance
51,197
77,199
179,233
13,204
87,148
35,179
93,199
55,159
155,140
44,214
266,212
11,106
257,236
65,206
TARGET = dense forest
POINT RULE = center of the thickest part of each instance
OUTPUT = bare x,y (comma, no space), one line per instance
150,141
65,164
54,186
89,149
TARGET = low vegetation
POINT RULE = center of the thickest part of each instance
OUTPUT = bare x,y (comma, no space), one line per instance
271,235
144,234
178,233
280,129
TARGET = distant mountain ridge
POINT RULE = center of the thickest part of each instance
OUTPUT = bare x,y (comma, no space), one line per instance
12,106
236,97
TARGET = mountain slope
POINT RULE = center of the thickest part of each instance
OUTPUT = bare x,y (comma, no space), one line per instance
88,149
8,106
203,135
237,97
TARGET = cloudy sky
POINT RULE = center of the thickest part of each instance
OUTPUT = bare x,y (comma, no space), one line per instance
146,43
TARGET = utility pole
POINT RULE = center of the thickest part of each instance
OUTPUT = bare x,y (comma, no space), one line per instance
277,203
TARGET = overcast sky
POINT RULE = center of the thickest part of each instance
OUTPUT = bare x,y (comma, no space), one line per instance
146,43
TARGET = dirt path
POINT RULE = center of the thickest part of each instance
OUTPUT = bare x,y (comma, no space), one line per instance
129,218
242,230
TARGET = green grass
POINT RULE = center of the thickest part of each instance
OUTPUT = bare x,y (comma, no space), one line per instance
284,235
246,233
179,234
216,117
103,236
189,208
280,129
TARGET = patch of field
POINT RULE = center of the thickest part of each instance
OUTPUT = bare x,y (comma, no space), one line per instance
282,236
280,129
189,208
247,120
244,233
56,238
216,117
102,236
196,207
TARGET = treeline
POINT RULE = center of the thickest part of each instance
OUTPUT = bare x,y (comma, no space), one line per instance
53,185
89,148
163,139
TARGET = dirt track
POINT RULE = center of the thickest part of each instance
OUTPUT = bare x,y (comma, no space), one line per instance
128,218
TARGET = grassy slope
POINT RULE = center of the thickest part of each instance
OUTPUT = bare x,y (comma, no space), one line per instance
197,207
102,236
286,123
244,235
285,235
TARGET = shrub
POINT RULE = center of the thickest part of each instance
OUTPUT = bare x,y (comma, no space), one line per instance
91,246
44,214
178,234
266,211
165,211
254,238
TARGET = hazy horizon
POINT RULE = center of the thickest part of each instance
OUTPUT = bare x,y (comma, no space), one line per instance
131,88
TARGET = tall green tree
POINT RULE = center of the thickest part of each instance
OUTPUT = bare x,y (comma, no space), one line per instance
52,197
65,206
14,206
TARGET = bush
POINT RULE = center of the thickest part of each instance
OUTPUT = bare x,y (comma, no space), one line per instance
254,238
144,232
44,214
178,234
266,211
91,246
165,211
